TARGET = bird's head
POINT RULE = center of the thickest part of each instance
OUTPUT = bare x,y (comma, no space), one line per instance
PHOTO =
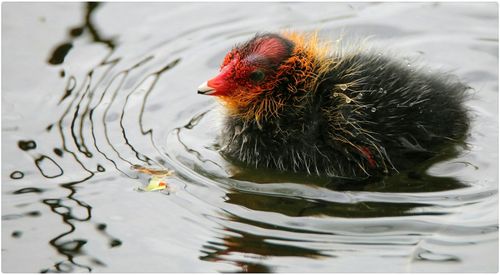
257,76
250,67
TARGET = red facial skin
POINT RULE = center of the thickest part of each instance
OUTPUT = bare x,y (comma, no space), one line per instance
237,67
226,82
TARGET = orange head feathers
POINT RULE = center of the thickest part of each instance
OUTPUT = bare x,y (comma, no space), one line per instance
257,77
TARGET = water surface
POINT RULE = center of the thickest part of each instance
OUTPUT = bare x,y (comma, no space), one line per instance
89,90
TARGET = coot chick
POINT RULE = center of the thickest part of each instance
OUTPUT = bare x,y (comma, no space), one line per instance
293,104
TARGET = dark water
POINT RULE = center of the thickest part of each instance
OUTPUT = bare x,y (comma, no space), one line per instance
90,90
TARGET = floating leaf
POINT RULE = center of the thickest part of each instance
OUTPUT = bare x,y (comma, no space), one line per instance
155,184
158,179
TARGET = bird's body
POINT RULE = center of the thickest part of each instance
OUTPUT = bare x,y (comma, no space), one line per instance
338,114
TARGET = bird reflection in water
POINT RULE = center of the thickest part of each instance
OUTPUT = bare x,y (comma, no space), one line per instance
248,251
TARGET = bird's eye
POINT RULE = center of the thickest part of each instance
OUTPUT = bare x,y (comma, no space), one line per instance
257,76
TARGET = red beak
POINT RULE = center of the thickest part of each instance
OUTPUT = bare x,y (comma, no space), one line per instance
219,85
216,86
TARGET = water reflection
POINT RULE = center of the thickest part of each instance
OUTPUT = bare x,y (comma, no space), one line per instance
249,251
85,129
64,243
297,207
59,54
73,122
414,180
66,247
16,175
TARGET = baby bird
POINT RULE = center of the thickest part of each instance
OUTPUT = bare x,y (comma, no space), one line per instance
293,104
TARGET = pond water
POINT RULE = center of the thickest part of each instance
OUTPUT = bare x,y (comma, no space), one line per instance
90,90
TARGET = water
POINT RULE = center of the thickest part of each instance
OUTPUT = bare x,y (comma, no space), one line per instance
89,91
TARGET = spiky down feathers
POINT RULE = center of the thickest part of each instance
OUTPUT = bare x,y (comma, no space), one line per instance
364,116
